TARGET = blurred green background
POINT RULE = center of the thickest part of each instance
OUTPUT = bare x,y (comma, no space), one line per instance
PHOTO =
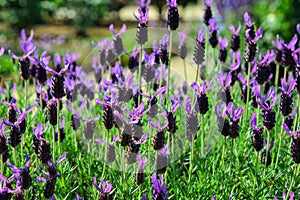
76,23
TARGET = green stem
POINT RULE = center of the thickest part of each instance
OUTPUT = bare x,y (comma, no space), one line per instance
248,95
277,75
169,61
197,73
292,183
53,143
296,126
185,73
15,155
202,137
58,132
191,158
223,151
279,146
140,72
267,149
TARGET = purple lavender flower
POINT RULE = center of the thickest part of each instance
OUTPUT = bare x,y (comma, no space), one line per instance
235,66
22,172
223,123
223,43
198,48
140,175
143,4
118,44
134,148
26,44
9,93
257,139
172,127
77,197
182,49
191,120
213,39
105,190
12,111
40,145
263,70
24,63
142,31
18,128
75,117
225,81
286,99
200,92
235,39
249,25
159,137
295,147
251,44
51,176
58,87
287,53
234,116
289,121
3,143
159,187
207,13
278,46
152,103
108,105
267,105
173,16
6,189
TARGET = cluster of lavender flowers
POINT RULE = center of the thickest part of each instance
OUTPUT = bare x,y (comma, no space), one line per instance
125,107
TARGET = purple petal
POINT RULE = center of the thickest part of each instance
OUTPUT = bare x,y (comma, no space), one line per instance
231,28
247,17
213,198
292,43
13,168
97,140
111,28
50,70
287,129
123,29
115,139
96,184
292,195
2,51
253,121
27,164
292,85
41,179
61,158
13,56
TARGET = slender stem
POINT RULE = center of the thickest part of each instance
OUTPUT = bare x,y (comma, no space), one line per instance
53,142
2,164
248,94
267,149
285,74
15,155
279,146
277,75
58,132
191,158
169,61
293,179
89,154
25,84
296,124
197,73
256,166
202,137
223,151
140,72
185,73
75,140
41,97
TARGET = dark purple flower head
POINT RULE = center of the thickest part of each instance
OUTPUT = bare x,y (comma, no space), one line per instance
159,187
200,39
284,194
234,115
213,25
106,186
287,90
247,19
233,30
123,29
253,123
223,42
21,118
172,3
143,17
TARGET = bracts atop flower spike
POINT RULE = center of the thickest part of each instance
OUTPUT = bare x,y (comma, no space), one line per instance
159,137
105,190
223,122
199,48
191,120
159,187
235,39
266,158
140,175
223,43
142,31
207,14
202,100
